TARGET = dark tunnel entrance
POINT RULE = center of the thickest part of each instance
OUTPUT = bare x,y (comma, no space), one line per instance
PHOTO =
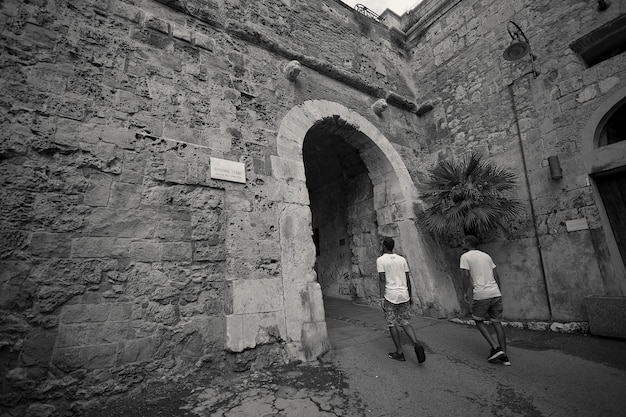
343,216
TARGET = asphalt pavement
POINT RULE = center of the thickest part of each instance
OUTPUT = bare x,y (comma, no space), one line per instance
552,374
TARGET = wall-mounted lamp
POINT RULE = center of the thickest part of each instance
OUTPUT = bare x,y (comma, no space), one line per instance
556,173
292,70
519,47
380,106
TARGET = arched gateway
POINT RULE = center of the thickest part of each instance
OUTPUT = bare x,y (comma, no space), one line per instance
395,202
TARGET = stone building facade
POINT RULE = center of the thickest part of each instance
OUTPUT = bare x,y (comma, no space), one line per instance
183,181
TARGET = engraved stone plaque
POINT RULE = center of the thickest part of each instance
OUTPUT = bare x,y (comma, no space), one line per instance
222,169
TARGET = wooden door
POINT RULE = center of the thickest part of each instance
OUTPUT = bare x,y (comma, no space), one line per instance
612,189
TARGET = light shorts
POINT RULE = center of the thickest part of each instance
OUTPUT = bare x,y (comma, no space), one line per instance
487,309
396,314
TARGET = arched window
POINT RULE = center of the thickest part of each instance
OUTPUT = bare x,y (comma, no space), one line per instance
615,128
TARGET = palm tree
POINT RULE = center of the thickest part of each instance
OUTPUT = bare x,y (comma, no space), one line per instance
469,196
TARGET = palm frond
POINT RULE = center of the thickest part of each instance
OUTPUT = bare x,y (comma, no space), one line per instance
469,194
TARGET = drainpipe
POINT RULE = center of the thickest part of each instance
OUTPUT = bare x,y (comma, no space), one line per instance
530,194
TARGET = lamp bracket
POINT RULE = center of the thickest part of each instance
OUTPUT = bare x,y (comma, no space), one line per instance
517,32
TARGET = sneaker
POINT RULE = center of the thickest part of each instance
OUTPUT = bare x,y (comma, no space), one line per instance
505,360
495,353
419,351
397,356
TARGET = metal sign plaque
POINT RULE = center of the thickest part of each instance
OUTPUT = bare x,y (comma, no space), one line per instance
222,169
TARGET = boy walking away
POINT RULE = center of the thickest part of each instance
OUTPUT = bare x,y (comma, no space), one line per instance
395,298
479,270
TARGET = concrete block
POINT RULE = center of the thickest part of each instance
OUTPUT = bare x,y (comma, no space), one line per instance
606,315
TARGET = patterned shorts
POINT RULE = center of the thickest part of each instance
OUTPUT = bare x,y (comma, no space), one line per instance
396,314
489,309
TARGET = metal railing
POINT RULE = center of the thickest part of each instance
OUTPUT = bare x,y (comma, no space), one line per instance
367,12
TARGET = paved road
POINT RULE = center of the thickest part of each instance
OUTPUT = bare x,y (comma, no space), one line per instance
551,374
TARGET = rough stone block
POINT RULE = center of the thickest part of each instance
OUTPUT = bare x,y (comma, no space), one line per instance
80,313
127,11
289,191
316,303
125,196
606,315
177,251
97,194
314,340
234,332
101,356
157,24
68,359
146,251
238,201
37,348
208,251
50,245
203,41
255,225
96,247
137,350
138,224
257,296
173,231
287,169
298,303
75,335
181,32
255,250
121,312
117,136
263,328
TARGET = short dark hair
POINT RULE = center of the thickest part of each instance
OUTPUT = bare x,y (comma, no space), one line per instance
471,240
388,243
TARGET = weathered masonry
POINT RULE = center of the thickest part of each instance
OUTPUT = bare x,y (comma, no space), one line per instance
183,181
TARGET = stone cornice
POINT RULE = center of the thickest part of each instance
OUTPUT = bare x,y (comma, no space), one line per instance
252,36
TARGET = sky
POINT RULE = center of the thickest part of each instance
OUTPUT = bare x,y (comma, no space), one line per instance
378,6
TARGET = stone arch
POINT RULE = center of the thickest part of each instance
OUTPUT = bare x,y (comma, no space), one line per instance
395,202
601,161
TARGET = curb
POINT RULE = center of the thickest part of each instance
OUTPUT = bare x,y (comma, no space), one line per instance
581,327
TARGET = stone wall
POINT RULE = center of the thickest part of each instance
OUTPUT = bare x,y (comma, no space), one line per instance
518,120
122,258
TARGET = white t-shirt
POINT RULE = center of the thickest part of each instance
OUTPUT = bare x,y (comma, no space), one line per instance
480,265
395,268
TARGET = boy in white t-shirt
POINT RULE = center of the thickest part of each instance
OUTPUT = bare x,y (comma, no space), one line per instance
479,270
395,298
